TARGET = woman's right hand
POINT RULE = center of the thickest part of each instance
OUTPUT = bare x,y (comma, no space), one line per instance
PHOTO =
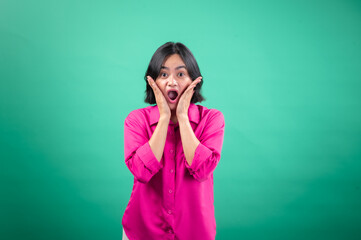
164,110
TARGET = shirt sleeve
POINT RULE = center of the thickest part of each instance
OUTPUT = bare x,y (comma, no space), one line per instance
208,152
138,155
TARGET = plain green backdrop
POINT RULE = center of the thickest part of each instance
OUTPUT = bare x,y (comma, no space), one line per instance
285,74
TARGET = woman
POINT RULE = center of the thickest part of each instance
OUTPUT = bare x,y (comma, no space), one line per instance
172,148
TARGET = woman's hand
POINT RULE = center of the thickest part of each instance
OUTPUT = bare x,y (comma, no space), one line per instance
185,99
164,110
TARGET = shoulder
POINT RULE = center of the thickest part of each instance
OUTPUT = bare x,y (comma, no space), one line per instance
209,113
139,115
139,112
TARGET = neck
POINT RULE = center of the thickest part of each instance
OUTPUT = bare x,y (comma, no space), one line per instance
173,118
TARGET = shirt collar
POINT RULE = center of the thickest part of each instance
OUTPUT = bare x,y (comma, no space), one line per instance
193,114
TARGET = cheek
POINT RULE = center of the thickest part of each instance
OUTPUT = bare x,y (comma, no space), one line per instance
184,87
159,85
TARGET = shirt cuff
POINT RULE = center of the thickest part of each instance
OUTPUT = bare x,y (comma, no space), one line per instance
146,155
201,154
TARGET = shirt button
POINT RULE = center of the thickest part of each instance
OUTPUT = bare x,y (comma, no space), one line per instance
170,231
170,191
171,151
171,170
169,212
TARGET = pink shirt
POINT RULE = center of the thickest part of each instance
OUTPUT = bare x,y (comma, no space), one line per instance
170,199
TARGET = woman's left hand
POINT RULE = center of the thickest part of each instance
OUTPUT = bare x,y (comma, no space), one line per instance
185,99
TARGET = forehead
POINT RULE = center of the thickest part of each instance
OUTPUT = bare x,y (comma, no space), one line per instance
173,61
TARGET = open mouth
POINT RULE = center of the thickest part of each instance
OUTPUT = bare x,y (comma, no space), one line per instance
172,95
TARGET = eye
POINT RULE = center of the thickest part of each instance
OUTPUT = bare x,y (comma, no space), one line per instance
181,74
163,74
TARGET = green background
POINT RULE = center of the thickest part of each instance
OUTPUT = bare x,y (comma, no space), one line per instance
285,74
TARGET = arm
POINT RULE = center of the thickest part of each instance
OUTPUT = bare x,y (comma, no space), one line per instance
189,139
140,157
157,141
203,156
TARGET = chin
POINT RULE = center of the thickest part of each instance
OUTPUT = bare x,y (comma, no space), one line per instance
173,106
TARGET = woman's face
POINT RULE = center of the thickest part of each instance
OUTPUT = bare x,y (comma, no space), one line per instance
173,76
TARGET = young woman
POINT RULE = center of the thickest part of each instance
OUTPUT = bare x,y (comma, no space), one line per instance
172,148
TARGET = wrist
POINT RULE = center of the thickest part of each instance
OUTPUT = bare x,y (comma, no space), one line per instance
182,117
164,118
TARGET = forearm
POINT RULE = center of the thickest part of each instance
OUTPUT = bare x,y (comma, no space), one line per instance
157,141
189,139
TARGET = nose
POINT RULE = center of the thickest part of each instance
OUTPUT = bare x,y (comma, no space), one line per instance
172,81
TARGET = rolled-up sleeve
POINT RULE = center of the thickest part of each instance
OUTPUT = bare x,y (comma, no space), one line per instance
208,151
138,155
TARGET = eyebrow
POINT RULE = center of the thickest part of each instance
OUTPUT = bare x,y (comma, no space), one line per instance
182,66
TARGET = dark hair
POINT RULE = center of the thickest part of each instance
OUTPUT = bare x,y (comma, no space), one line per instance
160,56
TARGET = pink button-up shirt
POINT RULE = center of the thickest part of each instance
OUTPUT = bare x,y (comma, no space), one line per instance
170,199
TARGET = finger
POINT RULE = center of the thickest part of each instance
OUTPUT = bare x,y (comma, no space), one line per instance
149,79
157,92
198,80
152,83
194,84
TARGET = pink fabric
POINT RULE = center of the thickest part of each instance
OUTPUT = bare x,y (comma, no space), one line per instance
170,199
